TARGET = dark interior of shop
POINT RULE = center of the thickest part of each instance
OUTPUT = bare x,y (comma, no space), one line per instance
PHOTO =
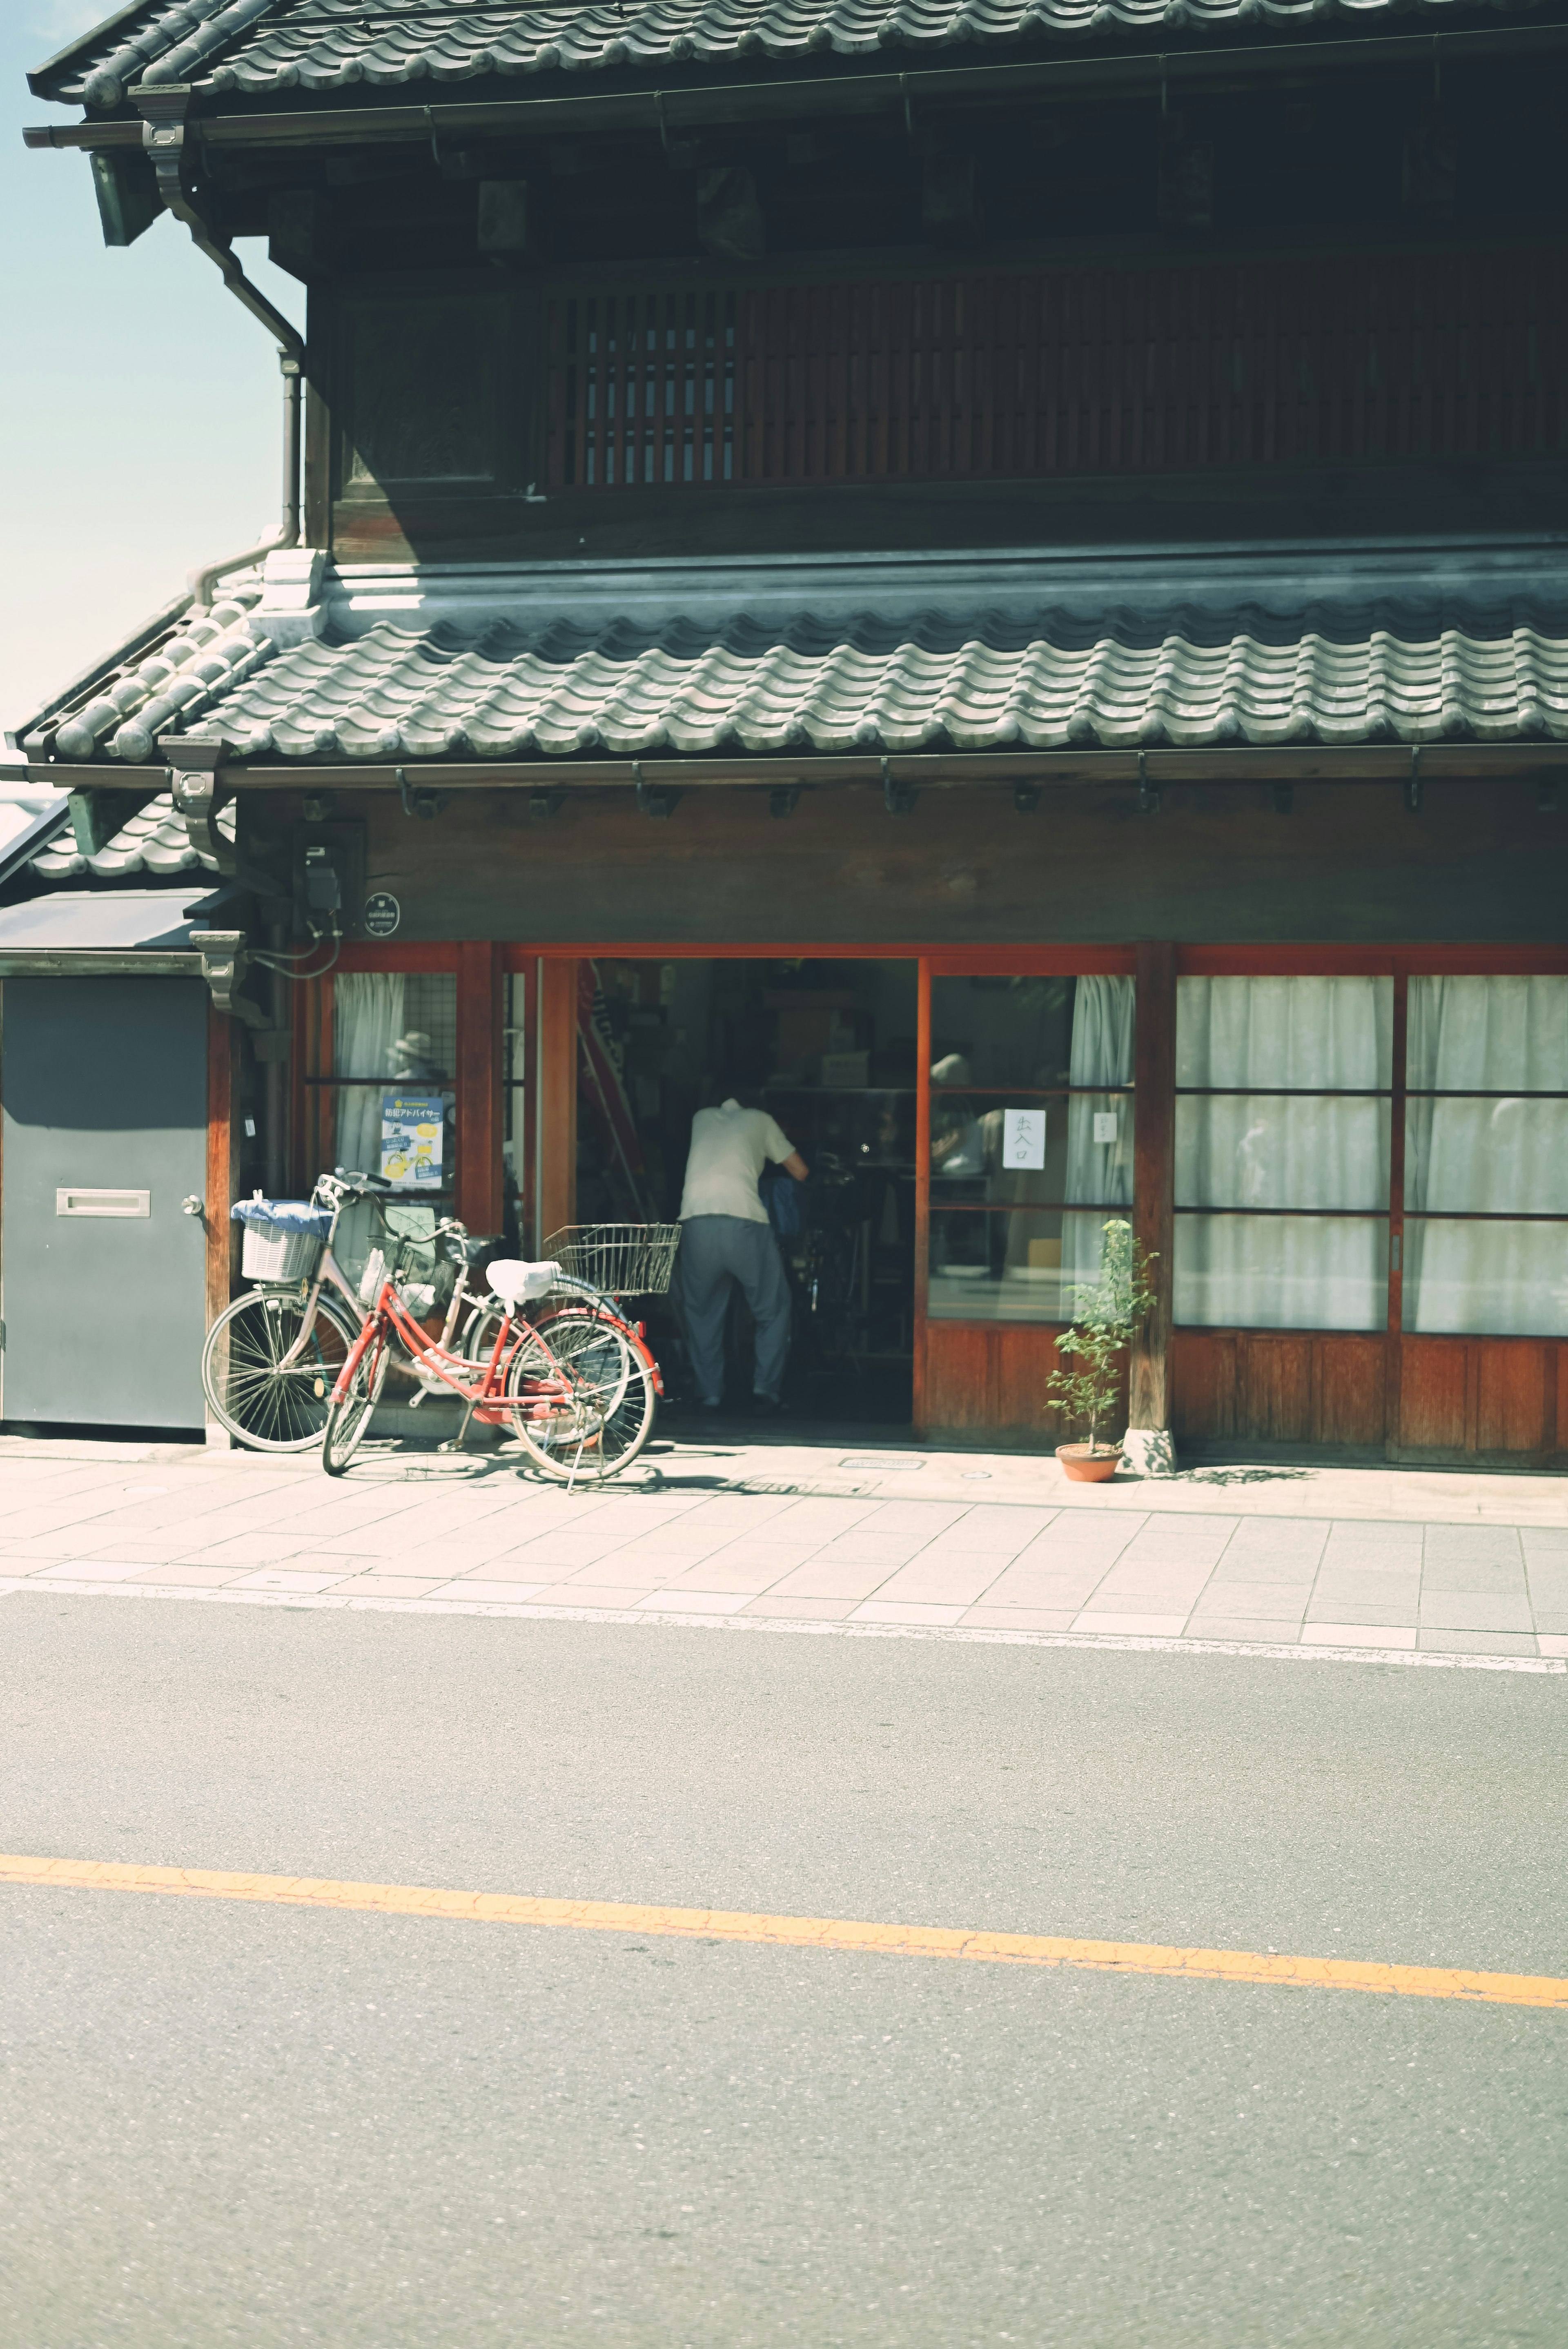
828,1047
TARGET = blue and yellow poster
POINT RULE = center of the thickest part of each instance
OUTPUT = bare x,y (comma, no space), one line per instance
411,1130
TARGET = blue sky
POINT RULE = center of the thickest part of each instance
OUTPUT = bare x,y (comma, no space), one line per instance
138,402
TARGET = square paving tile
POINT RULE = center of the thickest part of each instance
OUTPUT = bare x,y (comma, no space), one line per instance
877,1610
1150,1626
495,1594
1477,1643
696,1602
1022,1587
584,1594
751,1577
999,1527
301,1585
824,1610
186,1578
820,1579
1018,1619
940,1582
92,1569
1496,1575
392,1586
1358,1635
1335,1608
1269,1628
1497,1544
1473,1612
1553,1644
1283,1601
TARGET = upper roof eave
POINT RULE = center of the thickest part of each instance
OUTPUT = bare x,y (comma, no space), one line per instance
240,54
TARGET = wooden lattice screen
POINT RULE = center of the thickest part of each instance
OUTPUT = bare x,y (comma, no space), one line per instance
1426,354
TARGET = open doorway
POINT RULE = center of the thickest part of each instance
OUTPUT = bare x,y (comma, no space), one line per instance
829,1048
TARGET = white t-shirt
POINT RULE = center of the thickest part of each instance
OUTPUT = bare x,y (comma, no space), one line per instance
730,1147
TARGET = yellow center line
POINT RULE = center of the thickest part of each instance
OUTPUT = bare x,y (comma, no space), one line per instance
798,1932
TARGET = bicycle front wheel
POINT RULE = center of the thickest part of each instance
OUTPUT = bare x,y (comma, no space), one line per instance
585,1394
269,1401
348,1420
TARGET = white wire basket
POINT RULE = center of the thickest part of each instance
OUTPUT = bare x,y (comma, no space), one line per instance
618,1259
279,1252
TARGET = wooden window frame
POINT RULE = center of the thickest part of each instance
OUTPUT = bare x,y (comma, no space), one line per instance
475,965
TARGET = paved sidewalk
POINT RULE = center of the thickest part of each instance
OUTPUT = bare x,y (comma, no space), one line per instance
1355,1561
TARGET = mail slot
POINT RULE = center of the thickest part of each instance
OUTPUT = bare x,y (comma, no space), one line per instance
79,1202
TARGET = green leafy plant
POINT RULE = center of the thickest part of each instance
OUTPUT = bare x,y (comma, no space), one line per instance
1104,1319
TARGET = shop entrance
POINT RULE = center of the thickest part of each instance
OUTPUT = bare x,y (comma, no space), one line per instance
829,1048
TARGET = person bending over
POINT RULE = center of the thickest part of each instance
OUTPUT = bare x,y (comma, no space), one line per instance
725,1235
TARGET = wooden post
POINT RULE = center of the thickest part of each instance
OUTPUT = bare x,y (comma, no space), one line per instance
480,1203
218,1190
1153,1178
922,1183
557,1091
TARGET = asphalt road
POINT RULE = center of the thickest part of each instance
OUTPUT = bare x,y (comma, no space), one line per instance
225,2124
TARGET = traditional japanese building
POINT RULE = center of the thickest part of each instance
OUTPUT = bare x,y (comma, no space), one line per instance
996,573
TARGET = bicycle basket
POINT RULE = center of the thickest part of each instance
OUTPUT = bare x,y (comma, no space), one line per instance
284,1238
618,1259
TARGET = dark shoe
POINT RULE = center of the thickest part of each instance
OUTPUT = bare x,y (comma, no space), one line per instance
768,1406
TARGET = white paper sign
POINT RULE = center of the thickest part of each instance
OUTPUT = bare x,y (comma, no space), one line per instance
1023,1139
1105,1125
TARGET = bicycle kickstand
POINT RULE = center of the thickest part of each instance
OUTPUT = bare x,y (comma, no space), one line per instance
454,1443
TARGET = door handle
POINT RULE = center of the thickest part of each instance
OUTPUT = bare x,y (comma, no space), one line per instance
192,1206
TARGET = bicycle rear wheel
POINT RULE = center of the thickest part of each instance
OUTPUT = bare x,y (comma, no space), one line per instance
599,1423
348,1420
266,1404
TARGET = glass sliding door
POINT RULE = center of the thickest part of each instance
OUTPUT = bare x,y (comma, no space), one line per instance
1486,1156
1284,1088
381,1095
1031,1140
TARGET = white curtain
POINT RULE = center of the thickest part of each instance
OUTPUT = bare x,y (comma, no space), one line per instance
1252,1150
367,1020
1101,1053
1489,1156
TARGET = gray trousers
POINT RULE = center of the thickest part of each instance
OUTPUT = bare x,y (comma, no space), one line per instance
715,1250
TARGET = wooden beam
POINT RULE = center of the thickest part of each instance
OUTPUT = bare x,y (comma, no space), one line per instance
479,1107
1154,1176
556,1093
1370,762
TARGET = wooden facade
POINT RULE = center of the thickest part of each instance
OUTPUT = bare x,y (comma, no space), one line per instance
1280,362
1389,1394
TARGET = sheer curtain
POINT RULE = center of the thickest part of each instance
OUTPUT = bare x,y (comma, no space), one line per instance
1488,1157
1101,1054
1240,1149
367,1020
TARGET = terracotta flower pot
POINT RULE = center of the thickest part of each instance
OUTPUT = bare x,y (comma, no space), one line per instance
1086,1467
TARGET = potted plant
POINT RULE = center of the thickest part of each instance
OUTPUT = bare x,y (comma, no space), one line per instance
1084,1386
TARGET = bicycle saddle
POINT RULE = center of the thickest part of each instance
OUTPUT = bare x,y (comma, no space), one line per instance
517,1283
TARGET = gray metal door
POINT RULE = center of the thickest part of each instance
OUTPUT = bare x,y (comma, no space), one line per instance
104,1084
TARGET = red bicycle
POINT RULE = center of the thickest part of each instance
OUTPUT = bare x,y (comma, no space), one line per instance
572,1383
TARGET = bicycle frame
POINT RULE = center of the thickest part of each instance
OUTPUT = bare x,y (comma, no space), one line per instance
480,1385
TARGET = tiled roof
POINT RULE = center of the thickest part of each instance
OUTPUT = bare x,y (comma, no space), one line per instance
252,46
153,841
168,687
503,692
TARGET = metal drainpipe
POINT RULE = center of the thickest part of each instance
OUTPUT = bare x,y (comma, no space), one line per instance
162,107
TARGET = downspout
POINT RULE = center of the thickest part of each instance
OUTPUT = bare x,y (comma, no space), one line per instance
163,109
